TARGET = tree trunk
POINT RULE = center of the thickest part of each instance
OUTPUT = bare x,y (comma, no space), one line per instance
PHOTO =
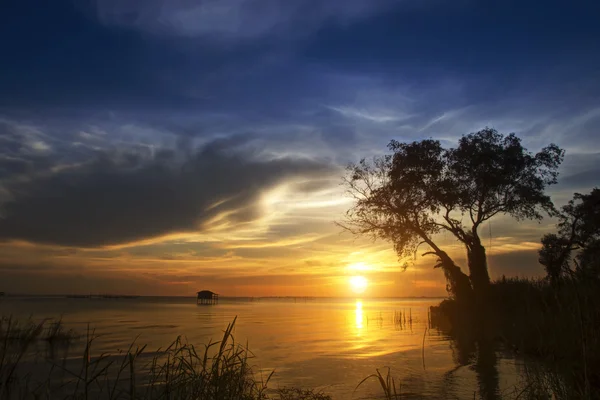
480,278
458,282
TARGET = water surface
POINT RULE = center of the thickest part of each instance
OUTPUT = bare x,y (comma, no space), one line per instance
330,344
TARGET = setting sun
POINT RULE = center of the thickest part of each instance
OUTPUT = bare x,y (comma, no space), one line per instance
358,284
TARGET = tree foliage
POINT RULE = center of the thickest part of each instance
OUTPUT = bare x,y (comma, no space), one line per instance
555,256
422,189
578,235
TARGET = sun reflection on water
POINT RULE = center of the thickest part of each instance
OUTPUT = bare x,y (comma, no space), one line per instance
359,316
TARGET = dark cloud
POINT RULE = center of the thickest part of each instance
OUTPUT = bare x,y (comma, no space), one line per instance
136,86
586,179
122,199
53,279
26,150
14,166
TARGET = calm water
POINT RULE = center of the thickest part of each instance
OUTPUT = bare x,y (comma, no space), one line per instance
330,344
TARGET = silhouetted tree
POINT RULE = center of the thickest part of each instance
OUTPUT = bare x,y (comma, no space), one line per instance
422,189
555,256
393,202
578,232
493,174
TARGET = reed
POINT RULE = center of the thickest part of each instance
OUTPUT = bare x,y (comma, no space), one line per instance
390,390
28,331
557,324
218,370
397,318
400,321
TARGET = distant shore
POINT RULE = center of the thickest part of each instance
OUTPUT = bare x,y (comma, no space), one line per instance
129,296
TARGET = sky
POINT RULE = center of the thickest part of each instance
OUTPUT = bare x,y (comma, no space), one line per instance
163,147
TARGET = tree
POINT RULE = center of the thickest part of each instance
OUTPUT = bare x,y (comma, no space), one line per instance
393,202
421,189
578,232
555,256
494,174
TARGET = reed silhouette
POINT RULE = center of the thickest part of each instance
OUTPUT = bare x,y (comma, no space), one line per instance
556,319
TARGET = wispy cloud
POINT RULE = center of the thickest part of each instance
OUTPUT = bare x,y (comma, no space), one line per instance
180,142
231,19
379,116
110,201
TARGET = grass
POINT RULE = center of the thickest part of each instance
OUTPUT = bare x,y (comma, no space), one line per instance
222,370
399,318
217,371
12,330
16,340
558,325
390,390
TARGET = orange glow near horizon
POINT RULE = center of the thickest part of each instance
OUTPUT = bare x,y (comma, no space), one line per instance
265,257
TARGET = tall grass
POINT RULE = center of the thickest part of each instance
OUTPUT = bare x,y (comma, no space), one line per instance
219,370
390,390
558,325
17,338
216,371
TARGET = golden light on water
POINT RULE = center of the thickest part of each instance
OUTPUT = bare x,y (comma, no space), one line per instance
358,284
359,315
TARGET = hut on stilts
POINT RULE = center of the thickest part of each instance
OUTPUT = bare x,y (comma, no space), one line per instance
206,297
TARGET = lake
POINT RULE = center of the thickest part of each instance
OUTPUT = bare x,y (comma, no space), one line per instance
329,344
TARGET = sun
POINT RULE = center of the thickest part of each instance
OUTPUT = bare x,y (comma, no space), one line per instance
358,284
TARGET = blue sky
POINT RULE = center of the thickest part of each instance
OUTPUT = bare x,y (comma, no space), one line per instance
215,132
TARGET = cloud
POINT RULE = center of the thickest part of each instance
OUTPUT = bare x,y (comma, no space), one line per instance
229,19
105,104
586,179
113,200
379,116
10,166
51,279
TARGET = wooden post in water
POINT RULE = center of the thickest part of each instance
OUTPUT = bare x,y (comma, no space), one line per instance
429,317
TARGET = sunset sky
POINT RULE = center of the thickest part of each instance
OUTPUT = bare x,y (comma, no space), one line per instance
162,147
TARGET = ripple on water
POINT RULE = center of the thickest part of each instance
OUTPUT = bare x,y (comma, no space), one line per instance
155,327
